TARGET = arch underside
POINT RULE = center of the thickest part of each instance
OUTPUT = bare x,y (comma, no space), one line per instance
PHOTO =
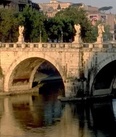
23,74
104,82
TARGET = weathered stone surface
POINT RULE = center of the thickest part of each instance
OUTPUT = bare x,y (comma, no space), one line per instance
20,64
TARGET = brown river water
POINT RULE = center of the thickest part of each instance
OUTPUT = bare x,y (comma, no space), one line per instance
43,115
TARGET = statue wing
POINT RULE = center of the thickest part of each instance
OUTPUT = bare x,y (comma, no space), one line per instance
19,27
103,28
22,27
75,26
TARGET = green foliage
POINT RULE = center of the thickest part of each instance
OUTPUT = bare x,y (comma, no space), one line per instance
75,15
33,22
8,25
53,28
37,25
107,34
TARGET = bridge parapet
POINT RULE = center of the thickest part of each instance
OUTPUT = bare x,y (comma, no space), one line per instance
58,45
100,45
39,45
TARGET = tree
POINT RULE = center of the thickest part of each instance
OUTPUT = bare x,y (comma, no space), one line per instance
8,25
53,28
105,8
75,15
33,22
31,19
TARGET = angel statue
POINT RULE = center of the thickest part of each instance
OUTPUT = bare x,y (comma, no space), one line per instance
77,28
21,37
77,38
100,33
100,30
21,30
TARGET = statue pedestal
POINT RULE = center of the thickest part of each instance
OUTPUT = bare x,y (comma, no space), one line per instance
20,39
77,39
99,39
99,42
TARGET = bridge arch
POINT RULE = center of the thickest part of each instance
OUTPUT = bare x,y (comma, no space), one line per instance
36,59
107,66
105,61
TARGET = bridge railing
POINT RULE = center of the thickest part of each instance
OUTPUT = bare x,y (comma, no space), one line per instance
36,45
59,45
100,45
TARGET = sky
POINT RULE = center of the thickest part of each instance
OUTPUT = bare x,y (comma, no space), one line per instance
96,3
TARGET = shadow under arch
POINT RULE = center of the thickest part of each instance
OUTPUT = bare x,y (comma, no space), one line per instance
35,59
104,79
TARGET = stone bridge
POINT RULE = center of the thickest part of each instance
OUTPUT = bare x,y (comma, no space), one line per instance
96,63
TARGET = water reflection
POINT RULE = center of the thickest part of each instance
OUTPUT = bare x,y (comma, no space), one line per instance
8,124
40,115
97,118
104,121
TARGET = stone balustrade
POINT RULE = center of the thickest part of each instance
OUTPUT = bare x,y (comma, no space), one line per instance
58,45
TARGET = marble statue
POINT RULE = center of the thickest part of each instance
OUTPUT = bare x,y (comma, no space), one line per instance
21,37
100,33
100,30
21,30
77,38
77,28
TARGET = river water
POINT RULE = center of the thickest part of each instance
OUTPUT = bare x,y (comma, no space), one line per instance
43,115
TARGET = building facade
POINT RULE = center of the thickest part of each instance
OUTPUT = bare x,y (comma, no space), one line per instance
51,8
18,4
